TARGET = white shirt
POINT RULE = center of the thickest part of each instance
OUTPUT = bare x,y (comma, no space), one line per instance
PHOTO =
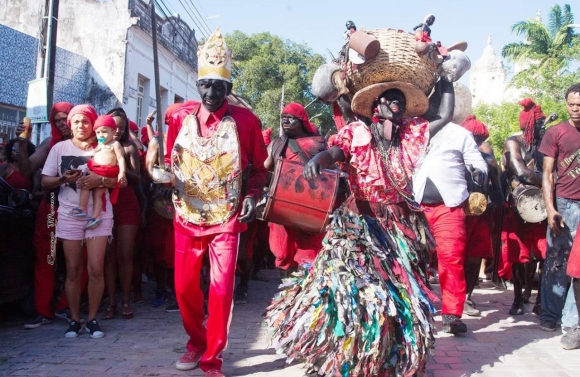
449,151
62,157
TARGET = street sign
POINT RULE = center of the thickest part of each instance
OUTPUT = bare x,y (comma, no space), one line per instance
37,101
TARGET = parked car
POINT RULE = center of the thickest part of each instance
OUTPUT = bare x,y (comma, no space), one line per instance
17,218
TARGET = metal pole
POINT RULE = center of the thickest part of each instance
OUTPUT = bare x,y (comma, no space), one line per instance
157,89
51,48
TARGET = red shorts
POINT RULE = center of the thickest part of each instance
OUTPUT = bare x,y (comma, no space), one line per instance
522,241
126,210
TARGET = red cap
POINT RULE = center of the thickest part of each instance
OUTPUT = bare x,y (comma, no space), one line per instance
133,126
105,121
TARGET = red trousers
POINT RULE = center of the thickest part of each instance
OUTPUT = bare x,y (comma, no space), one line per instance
448,227
292,247
44,276
212,338
478,236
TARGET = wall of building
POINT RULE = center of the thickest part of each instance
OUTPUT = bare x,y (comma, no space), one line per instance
177,80
18,66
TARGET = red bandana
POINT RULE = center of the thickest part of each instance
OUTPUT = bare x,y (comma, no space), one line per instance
299,112
528,117
59,107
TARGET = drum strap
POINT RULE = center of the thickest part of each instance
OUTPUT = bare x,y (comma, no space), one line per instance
294,147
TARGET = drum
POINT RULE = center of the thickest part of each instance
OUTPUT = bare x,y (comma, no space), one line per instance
295,202
529,203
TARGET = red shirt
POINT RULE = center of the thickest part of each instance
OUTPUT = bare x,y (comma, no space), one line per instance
562,143
252,149
366,168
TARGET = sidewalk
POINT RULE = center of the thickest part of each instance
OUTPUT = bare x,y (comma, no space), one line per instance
148,345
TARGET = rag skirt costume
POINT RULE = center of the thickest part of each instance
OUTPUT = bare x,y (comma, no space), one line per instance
364,307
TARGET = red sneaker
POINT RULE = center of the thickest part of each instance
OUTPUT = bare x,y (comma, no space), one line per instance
214,373
188,361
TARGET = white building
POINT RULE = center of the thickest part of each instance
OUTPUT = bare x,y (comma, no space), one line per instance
488,77
115,37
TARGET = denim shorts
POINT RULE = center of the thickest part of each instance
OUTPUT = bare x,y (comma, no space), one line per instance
72,228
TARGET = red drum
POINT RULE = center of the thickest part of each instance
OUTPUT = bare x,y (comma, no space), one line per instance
295,202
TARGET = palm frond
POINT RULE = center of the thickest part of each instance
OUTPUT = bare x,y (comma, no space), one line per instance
555,19
567,17
535,33
516,51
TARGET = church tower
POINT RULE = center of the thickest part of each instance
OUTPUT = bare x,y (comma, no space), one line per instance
488,77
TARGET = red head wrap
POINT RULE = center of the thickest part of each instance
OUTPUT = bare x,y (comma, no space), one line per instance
59,107
266,134
133,126
299,112
105,121
528,117
86,110
477,128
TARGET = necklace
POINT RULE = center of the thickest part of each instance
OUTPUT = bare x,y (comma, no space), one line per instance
402,185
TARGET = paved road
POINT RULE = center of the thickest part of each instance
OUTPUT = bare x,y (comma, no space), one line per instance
496,345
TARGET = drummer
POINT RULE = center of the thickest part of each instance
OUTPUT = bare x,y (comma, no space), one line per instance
523,241
300,142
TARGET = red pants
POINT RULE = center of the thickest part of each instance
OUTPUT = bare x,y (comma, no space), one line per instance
44,276
478,236
292,247
448,227
223,249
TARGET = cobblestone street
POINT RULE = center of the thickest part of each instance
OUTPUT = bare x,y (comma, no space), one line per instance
149,344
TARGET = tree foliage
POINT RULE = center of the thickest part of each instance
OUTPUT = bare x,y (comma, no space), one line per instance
552,53
263,63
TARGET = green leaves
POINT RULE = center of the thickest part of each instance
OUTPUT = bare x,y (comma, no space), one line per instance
263,63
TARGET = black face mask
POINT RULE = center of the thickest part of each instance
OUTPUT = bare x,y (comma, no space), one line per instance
213,93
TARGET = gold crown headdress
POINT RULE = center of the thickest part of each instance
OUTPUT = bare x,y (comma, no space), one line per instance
215,59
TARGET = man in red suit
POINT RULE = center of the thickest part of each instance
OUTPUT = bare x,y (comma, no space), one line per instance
209,149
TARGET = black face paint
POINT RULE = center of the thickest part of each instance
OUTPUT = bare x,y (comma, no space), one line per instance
213,93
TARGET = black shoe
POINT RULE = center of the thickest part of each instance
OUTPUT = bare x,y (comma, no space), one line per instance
548,326
517,307
526,297
93,328
469,309
537,310
74,329
452,324
241,295
171,308
37,322
571,339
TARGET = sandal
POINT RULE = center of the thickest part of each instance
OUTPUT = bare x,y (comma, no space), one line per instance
127,311
93,223
77,212
110,313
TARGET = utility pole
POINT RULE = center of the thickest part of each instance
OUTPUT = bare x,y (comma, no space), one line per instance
157,89
45,64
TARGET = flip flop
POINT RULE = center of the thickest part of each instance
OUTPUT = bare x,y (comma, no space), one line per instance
127,311
110,312
77,212
93,223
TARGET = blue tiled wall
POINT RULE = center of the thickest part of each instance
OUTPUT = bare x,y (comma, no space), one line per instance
18,53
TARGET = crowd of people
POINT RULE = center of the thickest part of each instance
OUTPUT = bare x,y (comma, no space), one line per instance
426,198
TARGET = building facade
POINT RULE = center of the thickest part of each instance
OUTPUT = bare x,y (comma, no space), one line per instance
112,40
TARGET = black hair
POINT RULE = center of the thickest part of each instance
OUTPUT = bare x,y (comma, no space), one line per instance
119,112
10,145
575,88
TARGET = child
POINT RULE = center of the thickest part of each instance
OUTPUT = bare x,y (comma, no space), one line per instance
108,161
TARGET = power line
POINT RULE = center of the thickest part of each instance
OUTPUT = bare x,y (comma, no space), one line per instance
177,30
192,16
200,16
205,18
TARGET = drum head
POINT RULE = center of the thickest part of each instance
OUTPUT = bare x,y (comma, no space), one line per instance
531,206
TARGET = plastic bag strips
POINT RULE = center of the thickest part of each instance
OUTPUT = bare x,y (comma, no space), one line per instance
364,307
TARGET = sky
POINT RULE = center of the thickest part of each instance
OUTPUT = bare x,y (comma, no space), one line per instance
320,24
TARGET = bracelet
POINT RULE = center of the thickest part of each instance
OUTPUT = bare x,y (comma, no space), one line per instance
103,180
61,179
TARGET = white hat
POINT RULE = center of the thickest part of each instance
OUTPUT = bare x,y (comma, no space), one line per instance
215,59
